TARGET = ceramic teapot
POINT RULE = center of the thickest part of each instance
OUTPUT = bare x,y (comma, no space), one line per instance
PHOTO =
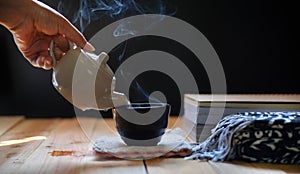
85,79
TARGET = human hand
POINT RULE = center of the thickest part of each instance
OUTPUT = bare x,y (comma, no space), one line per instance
33,25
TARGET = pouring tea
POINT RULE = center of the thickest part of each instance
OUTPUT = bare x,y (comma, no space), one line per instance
85,79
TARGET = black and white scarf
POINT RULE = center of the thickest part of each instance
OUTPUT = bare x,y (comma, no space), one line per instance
272,137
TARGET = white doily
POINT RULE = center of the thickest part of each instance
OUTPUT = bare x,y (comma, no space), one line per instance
172,144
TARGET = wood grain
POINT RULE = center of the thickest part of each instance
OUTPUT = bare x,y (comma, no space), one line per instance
99,164
69,136
178,165
67,148
7,122
173,165
292,169
13,156
247,168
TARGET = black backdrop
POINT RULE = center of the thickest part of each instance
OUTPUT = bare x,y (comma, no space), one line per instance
255,41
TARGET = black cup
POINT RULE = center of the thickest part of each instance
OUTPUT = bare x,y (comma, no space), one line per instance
142,124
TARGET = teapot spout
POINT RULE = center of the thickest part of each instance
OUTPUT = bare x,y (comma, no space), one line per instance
119,99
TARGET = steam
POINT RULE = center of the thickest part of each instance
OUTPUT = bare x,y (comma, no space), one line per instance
83,12
125,29
155,97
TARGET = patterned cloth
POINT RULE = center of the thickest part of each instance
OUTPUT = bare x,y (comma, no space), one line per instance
272,137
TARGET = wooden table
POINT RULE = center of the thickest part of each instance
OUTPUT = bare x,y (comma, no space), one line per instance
62,146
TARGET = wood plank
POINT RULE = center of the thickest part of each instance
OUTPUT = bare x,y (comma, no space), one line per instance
7,122
286,168
175,121
177,165
104,127
68,137
107,127
113,167
250,168
72,143
21,141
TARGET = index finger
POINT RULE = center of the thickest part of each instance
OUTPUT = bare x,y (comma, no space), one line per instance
71,33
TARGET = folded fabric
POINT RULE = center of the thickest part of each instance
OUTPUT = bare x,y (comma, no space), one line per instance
172,144
272,137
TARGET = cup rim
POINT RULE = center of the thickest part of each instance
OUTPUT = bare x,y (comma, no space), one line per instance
140,105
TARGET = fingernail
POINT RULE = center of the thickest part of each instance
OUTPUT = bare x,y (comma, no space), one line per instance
47,65
89,47
48,62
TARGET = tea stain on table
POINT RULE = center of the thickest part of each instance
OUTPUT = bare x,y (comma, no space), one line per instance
57,153
62,153
96,155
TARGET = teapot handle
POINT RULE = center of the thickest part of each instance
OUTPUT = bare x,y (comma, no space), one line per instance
51,51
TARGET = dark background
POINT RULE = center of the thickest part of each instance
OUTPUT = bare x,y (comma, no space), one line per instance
255,41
